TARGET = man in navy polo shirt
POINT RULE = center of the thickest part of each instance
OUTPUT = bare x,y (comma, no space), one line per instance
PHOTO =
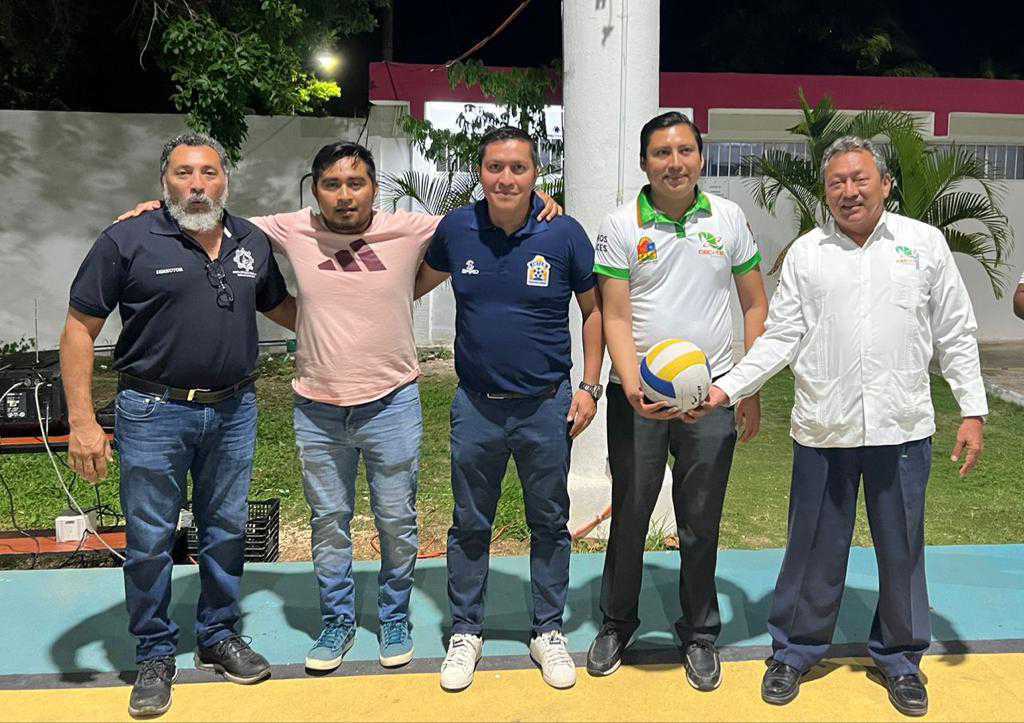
513,277
188,281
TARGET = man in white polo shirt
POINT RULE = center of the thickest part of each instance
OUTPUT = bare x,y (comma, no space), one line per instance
861,303
666,263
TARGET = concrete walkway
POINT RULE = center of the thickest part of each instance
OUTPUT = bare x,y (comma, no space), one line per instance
1002,365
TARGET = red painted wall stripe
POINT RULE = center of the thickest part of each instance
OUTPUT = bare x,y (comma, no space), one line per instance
417,84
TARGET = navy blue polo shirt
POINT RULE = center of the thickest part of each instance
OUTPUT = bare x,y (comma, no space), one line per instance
174,332
512,296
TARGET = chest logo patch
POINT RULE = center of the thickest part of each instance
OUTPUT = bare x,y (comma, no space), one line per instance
538,271
906,256
646,251
711,245
470,268
244,262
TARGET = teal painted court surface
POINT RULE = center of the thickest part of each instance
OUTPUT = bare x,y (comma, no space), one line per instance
74,621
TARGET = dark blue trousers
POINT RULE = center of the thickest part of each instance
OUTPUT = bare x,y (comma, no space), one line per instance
822,511
485,432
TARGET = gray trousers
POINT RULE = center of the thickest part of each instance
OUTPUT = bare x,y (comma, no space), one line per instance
638,450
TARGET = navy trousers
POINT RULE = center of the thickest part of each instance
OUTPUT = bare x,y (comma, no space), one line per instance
485,433
822,511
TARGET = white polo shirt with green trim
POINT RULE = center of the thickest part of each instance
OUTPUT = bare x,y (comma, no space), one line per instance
680,273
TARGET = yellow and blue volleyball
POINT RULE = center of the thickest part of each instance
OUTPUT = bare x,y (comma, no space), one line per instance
677,372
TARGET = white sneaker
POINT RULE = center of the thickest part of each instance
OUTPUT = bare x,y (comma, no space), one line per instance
460,661
549,652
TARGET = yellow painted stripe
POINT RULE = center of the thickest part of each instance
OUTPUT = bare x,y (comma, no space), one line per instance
839,690
675,366
652,354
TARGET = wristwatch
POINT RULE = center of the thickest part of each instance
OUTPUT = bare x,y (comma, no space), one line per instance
595,390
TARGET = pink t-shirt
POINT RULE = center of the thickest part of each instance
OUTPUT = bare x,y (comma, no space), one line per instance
355,295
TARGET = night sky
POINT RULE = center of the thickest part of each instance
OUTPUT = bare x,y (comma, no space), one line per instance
728,35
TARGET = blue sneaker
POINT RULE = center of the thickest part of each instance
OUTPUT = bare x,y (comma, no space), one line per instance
395,643
330,648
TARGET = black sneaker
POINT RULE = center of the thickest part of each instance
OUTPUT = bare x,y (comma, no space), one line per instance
234,659
151,694
907,694
605,654
703,666
781,683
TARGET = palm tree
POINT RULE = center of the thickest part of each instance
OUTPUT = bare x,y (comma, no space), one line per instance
947,187
436,194
439,193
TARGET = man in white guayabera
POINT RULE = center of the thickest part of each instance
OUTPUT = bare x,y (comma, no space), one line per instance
861,303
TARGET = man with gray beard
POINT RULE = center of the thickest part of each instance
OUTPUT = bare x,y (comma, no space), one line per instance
188,280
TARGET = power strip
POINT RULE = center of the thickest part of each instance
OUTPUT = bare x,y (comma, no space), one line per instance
72,526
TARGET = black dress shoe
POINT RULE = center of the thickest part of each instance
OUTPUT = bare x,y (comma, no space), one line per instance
234,659
605,654
151,694
907,694
703,666
781,683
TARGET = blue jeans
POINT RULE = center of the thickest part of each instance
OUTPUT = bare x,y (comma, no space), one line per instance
822,511
485,432
160,442
330,438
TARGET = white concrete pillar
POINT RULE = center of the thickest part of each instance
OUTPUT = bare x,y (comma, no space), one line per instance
610,89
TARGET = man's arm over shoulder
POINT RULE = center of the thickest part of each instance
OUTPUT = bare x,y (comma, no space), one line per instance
435,268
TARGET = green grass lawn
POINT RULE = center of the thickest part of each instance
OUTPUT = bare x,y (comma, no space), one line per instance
983,508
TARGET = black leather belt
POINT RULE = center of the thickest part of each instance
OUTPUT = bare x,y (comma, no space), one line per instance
199,396
550,392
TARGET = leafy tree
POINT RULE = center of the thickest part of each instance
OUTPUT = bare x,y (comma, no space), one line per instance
224,58
947,187
520,95
221,73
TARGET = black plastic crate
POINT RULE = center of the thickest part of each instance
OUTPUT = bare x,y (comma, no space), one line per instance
262,531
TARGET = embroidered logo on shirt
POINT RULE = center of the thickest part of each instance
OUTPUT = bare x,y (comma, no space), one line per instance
538,271
906,255
347,261
172,270
712,245
244,262
646,250
470,267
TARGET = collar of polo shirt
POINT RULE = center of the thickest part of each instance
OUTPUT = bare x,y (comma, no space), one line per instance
481,218
647,214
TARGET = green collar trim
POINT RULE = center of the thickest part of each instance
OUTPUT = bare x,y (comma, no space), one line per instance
648,214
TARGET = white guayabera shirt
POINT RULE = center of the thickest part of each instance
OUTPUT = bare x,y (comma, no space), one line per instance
858,325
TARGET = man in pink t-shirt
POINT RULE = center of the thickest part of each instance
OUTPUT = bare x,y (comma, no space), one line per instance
355,385
356,390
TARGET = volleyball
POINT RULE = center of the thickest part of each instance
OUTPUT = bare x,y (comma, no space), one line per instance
677,372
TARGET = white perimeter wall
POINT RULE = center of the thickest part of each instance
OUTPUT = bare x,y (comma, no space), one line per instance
67,174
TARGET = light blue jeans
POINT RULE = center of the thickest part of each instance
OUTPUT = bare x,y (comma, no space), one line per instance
387,432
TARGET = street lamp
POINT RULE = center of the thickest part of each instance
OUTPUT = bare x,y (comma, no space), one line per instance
327,62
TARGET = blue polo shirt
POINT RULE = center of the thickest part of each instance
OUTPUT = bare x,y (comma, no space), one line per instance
173,331
512,296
